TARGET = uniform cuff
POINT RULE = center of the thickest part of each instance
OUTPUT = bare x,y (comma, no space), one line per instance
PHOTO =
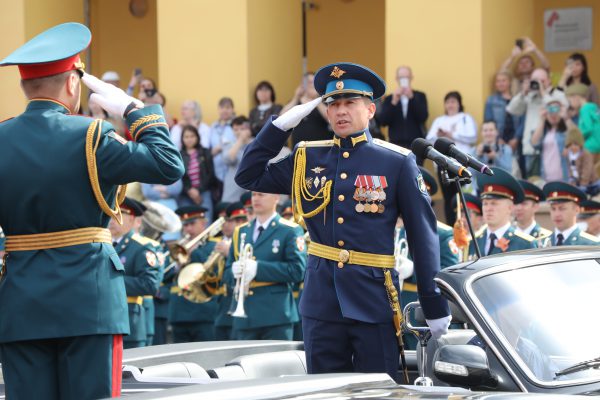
434,307
271,137
139,120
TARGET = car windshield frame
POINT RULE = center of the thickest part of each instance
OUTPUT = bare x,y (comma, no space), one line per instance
488,320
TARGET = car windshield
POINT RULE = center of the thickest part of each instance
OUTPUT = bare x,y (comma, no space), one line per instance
547,314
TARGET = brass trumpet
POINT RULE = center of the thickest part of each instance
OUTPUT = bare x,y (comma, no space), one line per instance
241,286
182,250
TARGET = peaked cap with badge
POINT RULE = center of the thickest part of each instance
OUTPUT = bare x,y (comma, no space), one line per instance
502,185
350,191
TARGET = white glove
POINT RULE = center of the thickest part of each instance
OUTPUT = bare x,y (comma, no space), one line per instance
236,268
250,271
294,115
405,268
112,99
439,327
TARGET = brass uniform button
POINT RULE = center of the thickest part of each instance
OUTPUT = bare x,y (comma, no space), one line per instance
340,243
343,175
346,154
341,197
340,220
340,265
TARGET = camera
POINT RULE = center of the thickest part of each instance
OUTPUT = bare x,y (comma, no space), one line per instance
519,43
487,148
534,85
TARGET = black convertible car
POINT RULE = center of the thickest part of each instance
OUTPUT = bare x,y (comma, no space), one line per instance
524,324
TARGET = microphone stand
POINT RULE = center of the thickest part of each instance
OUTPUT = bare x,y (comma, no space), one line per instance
446,180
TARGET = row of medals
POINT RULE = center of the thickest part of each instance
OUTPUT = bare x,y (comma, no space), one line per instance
373,199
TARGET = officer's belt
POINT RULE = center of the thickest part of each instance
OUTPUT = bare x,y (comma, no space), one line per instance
254,284
351,256
139,300
53,240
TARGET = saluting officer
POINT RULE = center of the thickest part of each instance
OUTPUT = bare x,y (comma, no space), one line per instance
279,260
350,191
66,329
142,271
499,193
192,322
525,212
236,215
565,201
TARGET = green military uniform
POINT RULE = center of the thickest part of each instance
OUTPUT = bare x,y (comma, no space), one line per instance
142,278
281,256
61,338
514,240
559,192
149,303
535,194
161,299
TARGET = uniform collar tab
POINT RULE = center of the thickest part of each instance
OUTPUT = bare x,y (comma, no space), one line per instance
351,140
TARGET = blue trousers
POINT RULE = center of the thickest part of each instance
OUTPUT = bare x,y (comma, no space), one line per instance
160,331
80,367
275,332
350,346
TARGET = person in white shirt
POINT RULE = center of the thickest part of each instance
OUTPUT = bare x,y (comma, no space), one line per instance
459,127
191,114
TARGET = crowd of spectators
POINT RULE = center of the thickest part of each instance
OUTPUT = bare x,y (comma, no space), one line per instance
531,127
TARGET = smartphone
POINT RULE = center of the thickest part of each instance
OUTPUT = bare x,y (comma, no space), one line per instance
137,71
404,82
519,43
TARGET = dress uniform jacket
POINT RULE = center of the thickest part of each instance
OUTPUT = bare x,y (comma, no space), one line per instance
353,291
74,290
577,237
539,232
512,239
281,256
142,277
183,310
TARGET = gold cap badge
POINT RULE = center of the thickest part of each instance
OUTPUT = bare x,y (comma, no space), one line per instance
339,85
337,72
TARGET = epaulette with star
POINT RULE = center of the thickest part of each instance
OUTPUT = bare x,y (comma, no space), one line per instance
524,236
589,237
316,143
390,146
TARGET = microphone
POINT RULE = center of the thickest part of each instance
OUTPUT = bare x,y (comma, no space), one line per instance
423,149
447,147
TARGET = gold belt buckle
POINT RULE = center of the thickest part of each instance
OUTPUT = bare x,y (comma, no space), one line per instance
344,256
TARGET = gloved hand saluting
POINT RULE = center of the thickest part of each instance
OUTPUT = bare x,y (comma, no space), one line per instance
112,99
294,115
439,327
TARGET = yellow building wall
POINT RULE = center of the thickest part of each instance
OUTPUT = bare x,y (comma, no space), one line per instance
557,60
274,47
122,42
502,23
12,31
203,53
330,39
43,14
442,42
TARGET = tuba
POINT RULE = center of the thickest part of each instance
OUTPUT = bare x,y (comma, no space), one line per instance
182,250
241,286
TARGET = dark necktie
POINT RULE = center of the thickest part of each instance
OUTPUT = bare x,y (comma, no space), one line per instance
560,239
492,243
260,231
115,244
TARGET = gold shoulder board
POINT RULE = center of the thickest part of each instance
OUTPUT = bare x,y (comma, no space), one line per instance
316,143
144,240
398,149
589,237
288,222
525,236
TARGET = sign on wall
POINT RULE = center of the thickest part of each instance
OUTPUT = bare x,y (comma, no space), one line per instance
568,29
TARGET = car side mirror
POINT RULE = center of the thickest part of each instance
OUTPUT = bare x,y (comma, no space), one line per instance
463,365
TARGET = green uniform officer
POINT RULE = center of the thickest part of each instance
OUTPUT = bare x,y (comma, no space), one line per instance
192,322
499,194
142,271
525,214
565,204
62,337
266,279
589,215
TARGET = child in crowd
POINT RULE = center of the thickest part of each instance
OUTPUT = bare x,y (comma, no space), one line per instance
588,120
581,163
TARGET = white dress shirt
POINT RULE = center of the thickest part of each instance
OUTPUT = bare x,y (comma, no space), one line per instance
498,232
566,233
265,225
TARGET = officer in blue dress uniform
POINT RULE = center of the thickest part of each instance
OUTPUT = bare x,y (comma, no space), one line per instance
236,215
142,271
350,191
499,193
2,241
279,260
525,213
565,204
62,338
192,322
